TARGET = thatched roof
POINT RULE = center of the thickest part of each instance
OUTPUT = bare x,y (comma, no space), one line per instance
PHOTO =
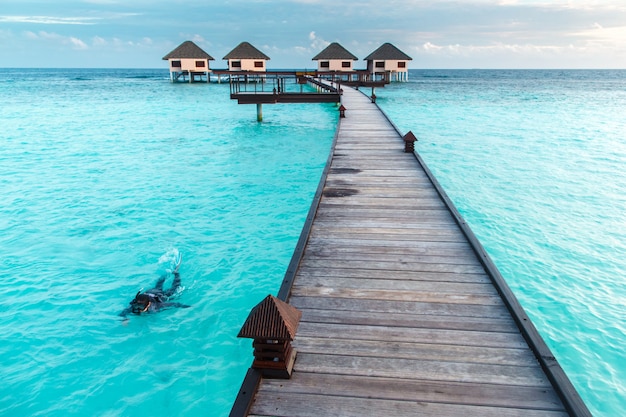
246,51
188,50
388,52
271,319
334,51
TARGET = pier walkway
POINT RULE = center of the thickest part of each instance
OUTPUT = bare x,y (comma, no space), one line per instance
401,313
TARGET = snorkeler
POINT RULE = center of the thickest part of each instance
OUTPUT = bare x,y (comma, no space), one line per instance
156,299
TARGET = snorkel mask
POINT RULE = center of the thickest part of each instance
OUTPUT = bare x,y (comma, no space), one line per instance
140,304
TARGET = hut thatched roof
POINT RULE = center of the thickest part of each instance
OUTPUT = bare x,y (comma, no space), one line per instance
334,51
188,50
246,51
388,52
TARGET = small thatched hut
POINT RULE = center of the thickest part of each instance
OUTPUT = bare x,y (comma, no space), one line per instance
335,58
188,59
388,58
246,57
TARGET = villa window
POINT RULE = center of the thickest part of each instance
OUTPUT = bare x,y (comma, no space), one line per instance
200,64
380,64
258,64
401,64
176,64
346,64
324,64
235,64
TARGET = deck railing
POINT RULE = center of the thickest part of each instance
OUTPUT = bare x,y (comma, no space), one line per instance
276,87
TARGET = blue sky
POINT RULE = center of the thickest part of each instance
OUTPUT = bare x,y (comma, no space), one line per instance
436,33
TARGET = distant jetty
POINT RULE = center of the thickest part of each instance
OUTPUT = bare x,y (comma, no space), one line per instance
190,63
252,83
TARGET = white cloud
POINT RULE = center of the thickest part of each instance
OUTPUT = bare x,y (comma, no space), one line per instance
49,20
435,32
317,43
98,41
605,37
77,43
199,39
428,46
52,37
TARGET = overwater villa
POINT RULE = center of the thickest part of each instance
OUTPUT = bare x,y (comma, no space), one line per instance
188,59
246,57
335,58
389,59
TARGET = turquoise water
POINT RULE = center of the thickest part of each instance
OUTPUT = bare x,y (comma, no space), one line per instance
104,176
535,161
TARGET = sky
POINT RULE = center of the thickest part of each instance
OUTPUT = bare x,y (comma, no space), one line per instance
435,33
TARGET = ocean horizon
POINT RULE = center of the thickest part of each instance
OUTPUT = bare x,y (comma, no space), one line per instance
108,172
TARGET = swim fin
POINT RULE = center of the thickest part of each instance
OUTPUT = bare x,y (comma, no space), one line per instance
179,260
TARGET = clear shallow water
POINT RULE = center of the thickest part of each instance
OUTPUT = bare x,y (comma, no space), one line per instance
535,161
105,174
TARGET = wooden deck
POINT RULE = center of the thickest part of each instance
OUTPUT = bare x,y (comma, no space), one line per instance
400,315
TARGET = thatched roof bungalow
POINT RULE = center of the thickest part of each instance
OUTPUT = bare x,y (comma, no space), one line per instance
246,57
388,58
188,59
335,58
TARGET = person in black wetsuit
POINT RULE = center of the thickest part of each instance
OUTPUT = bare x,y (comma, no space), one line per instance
155,299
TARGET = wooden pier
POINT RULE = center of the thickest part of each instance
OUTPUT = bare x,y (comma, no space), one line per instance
403,313
273,87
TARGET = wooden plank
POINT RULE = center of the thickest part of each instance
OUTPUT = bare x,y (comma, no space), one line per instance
362,273
383,307
414,246
392,295
322,280
311,405
410,225
413,390
416,351
400,216
416,335
415,267
369,193
431,370
423,321
394,230
384,202
384,253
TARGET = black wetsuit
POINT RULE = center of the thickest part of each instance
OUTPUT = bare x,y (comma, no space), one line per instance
157,297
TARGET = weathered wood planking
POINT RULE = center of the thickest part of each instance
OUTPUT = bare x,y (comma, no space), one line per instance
399,316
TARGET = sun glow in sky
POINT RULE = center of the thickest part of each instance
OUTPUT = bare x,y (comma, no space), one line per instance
436,33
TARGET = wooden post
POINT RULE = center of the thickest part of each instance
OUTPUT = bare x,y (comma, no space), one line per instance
259,112
409,142
272,324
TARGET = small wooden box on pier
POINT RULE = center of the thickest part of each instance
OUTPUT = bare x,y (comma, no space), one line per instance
409,142
272,325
